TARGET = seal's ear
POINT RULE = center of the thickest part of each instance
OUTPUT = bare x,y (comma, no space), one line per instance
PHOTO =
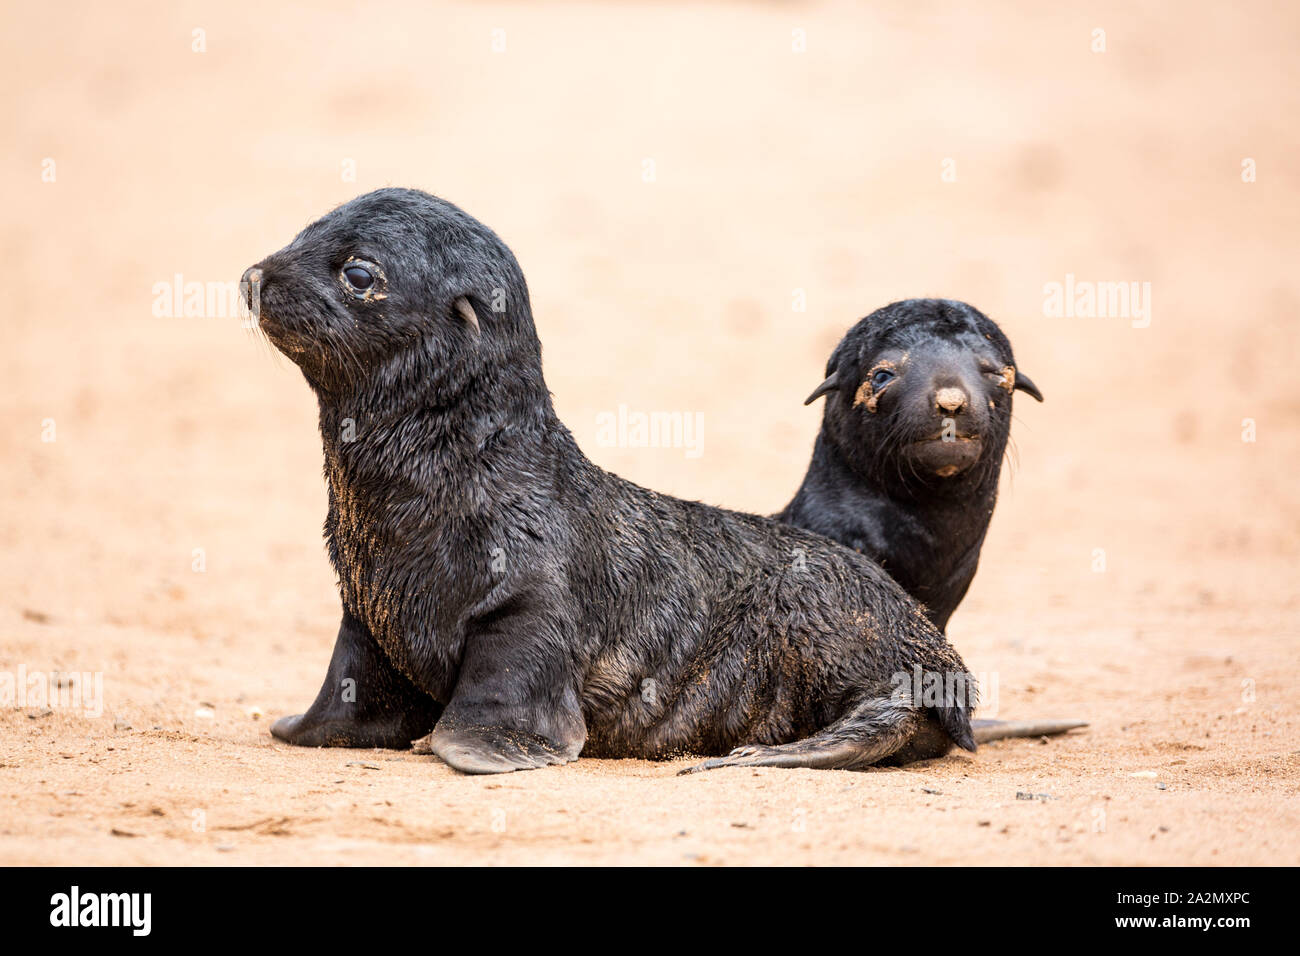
832,382
1025,384
466,312
832,376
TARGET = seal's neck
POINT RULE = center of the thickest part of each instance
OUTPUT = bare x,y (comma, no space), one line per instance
426,465
453,434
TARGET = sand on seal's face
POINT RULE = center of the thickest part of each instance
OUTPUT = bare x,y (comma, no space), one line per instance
1139,571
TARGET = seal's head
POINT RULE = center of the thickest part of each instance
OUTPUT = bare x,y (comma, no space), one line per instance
396,283
920,392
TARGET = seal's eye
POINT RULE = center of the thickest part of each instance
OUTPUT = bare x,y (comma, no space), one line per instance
881,378
359,277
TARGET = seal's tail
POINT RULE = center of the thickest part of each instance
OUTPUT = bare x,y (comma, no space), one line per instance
956,722
986,730
958,698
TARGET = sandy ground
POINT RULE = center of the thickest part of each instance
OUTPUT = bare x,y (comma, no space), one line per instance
1141,568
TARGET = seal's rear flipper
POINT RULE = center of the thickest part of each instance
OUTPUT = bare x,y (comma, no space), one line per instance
986,730
870,732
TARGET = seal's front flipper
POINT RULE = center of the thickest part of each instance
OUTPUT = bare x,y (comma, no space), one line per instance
986,730
490,749
516,705
872,731
364,701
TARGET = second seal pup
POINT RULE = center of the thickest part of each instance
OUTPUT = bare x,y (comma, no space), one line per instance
905,468
535,606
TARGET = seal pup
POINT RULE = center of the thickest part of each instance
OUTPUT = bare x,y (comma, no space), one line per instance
522,604
905,468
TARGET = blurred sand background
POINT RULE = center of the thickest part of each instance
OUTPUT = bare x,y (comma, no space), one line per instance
775,171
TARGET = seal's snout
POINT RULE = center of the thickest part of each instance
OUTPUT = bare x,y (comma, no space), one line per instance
950,420
250,288
951,400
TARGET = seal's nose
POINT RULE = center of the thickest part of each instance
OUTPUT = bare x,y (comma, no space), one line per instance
950,399
250,287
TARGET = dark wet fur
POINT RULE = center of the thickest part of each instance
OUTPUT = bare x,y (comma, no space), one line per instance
497,582
864,489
